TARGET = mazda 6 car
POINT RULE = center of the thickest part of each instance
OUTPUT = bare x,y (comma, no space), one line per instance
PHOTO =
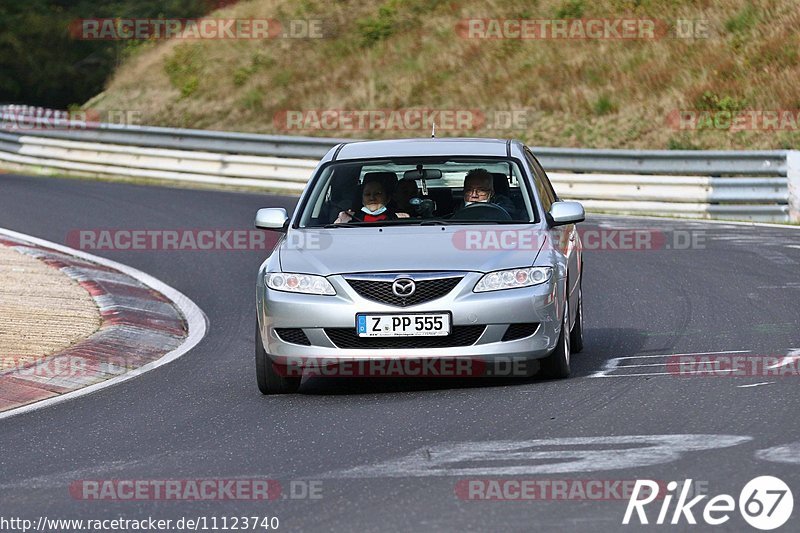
471,256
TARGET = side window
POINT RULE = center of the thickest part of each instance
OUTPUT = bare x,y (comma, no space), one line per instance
543,187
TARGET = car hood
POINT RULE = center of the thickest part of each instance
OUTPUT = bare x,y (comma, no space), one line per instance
419,248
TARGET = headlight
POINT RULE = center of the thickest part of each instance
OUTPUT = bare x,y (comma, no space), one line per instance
303,283
513,279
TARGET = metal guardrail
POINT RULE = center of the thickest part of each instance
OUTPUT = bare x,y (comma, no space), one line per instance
758,185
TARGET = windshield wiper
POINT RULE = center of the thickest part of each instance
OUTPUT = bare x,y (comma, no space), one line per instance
458,222
434,223
378,224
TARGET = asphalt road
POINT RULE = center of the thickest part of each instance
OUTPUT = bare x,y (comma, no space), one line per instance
390,454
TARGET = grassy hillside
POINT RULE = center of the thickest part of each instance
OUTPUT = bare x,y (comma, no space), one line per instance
408,54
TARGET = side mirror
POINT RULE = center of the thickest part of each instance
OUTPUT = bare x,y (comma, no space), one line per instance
562,213
274,218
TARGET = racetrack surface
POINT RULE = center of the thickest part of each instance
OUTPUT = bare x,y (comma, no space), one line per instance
384,449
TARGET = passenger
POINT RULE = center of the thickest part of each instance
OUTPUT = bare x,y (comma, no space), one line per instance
405,190
375,194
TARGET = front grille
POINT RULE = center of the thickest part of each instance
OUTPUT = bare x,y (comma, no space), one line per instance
520,331
293,336
381,291
459,336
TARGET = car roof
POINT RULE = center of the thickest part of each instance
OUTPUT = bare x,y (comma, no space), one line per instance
443,146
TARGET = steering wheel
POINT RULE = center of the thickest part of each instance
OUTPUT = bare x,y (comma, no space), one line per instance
481,211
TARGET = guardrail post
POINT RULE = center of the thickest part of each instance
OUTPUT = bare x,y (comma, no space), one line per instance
793,174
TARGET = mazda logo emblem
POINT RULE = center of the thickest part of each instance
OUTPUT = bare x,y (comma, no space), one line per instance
403,287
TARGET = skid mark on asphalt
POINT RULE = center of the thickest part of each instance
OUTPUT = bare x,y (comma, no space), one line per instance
777,257
650,365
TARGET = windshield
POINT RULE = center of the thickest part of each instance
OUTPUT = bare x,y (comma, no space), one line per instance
387,192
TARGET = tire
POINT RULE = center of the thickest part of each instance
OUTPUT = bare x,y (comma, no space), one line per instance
556,365
270,381
576,335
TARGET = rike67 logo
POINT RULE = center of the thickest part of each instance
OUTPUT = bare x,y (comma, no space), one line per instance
765,503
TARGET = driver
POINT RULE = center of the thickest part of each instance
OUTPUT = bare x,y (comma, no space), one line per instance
479,188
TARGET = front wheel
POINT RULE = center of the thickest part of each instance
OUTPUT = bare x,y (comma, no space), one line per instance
270,380
556,365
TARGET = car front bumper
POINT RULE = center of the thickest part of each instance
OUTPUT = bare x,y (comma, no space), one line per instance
495,311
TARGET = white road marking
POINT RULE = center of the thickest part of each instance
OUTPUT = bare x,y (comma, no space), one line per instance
683,373
755,385
537,456
614,364
792,356
787,453
680,354
196,322
697,222
677,363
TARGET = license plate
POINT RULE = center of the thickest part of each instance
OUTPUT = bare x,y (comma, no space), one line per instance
421,325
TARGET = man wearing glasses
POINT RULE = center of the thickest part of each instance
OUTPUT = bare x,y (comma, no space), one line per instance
479,188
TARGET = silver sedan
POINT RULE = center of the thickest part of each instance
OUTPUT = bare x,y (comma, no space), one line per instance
420,250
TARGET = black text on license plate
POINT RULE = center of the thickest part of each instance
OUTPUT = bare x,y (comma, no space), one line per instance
405,325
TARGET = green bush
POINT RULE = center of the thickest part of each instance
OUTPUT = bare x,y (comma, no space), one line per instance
681,143
184,68
603,105
710,101
571,9
241,75
253,99
375,29
743,21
